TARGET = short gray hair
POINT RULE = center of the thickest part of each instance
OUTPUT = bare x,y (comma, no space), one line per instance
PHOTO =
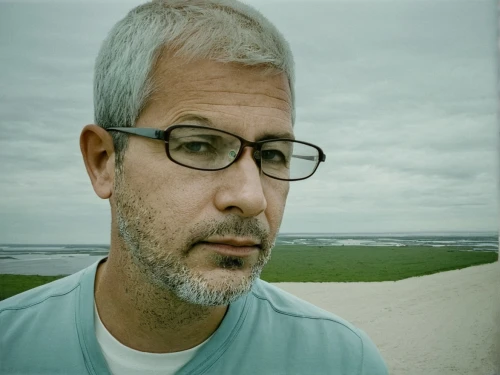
219,30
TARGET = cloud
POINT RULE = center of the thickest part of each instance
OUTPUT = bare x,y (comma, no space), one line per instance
401,96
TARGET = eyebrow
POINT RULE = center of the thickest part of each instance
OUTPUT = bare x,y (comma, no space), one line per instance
275,135
196,118
200,120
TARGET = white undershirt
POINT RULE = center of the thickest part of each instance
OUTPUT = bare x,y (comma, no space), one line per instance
123,360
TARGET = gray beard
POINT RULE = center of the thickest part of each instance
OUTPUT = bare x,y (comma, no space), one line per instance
167,270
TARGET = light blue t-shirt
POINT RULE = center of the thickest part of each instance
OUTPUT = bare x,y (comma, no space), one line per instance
50,330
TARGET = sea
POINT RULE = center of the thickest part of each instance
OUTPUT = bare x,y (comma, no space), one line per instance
65,259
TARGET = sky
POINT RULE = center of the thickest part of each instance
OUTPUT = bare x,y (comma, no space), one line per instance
400,94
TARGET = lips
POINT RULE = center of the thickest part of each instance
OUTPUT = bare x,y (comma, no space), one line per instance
232,246
236,242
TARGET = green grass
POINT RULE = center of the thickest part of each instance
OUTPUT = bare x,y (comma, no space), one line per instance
363,263
14,284
329,264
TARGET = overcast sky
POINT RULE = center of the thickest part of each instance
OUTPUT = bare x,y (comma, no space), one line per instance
400,94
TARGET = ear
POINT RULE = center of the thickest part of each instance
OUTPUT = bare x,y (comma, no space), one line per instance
98,154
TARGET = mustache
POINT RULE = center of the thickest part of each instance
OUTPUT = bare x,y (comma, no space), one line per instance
233,226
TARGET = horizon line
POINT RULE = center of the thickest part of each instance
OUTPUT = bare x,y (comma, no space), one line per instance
374,234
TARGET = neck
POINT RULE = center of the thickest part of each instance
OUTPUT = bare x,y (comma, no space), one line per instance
144,317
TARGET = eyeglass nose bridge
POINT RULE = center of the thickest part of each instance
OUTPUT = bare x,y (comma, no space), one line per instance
256,154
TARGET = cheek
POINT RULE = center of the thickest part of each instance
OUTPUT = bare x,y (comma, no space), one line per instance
178,194
276,193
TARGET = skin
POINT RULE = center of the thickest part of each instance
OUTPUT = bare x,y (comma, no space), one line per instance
168,203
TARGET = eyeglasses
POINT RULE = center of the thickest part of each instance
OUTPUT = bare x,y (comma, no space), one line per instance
209,149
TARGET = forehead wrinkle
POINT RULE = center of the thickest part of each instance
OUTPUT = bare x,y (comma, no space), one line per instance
192,105
223,123
251,94
199,116
283,102
240,106
195,112
226,71
253,91
168,83
278,119
197,98
172,69
279,105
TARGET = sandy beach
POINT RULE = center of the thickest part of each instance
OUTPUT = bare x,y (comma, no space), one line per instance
447,323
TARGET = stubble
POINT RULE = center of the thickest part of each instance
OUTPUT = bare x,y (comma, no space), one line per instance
166,267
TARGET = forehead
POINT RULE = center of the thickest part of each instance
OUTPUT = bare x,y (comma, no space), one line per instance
224,93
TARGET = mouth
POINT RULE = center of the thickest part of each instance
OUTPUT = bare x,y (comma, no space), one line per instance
238,247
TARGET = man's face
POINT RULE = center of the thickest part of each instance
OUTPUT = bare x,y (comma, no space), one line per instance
205,235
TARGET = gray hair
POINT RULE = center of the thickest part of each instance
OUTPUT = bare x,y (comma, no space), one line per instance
219,30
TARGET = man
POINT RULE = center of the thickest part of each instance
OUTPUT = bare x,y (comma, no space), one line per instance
194,148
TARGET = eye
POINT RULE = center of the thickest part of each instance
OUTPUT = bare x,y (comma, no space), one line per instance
273,155
196,146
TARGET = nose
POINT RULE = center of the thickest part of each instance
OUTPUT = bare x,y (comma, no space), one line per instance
241,191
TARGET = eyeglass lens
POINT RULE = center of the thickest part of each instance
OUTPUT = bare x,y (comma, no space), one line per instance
211,149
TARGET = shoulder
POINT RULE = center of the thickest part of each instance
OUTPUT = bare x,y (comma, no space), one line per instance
284,303
306,328
43,328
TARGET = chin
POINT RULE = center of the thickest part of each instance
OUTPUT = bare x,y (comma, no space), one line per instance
221,287
217,286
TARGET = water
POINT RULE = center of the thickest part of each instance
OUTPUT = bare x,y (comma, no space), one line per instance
48,260
472,242
67,259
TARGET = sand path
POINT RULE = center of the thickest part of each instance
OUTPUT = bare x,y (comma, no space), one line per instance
447,323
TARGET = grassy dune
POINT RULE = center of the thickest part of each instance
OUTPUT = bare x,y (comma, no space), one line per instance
13,284
329,264
364,263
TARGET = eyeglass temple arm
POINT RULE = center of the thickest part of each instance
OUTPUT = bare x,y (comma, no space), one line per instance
143,132
312,158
